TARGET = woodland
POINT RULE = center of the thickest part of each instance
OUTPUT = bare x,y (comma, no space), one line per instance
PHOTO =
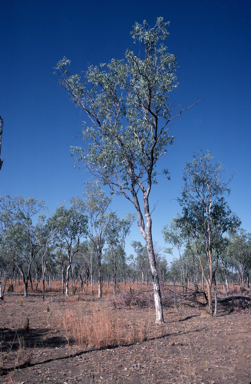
74,306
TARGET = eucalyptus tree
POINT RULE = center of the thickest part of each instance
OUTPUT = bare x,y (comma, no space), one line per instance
96,205
174,236
117,231
83,263
16,215
141,260
127,108
240,254
205,212
69,226
192,265
7,265
44,234
60,255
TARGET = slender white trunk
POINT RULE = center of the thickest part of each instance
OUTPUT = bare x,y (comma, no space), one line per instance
154,272
99,275
67,280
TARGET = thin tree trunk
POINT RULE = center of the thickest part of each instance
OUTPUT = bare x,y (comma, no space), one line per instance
174,291
209,296
67,280
25,288
114,273
31,284
99,275
91,273
215,292
62,279
215,300
43,282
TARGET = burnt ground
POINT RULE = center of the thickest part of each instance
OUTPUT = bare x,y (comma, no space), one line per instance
188,348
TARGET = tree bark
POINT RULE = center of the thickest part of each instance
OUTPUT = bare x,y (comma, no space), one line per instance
114,274
25,288
99,275
174,291
43,288
152,260
62,279
67,280
209,295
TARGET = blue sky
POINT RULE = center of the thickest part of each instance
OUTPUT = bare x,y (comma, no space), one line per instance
212,42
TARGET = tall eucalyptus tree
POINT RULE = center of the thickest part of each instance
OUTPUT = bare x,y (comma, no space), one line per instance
126,131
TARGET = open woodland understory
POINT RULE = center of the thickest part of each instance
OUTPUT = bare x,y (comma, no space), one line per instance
83,339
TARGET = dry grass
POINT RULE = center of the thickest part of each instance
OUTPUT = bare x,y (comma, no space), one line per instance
21,358
99,329
56,286
107,288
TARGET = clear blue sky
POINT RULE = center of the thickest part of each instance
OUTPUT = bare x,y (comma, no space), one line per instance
212,42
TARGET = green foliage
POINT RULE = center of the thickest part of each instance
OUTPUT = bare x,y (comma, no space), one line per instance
17,229
126,102
205,214
239,252
204,209
96,205
69,225
173,234
141,260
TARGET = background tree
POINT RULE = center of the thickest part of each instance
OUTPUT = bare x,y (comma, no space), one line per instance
83,264
96,204
16,215
69,226
205,213
60,254
174,236
141,260
44,234
126,102
117,231
240,255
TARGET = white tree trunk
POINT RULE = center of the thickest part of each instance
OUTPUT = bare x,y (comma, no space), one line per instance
67,280
99,275
152,261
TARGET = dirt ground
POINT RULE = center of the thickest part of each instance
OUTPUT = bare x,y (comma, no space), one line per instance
188,348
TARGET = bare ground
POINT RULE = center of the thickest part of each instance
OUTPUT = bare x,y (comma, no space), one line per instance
188,348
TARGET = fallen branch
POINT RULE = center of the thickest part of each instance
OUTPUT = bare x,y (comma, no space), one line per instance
230,298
